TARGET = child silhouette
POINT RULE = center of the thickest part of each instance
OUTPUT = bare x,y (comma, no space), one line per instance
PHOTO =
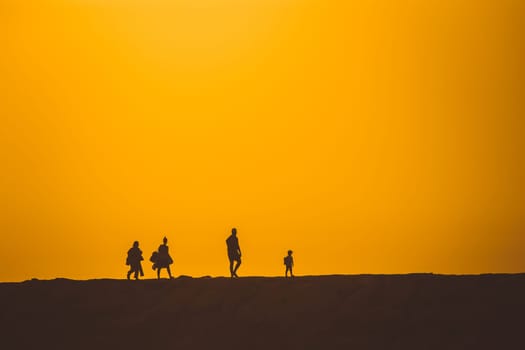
288,262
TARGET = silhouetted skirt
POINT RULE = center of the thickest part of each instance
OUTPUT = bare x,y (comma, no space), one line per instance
163,261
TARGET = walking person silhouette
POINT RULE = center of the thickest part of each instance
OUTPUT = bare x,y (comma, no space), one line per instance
161,258
134,261
234,252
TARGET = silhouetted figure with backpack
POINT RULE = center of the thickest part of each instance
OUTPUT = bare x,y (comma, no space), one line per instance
288,262
234,252
134,261
161,258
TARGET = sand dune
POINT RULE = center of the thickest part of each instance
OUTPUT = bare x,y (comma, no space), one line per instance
420,311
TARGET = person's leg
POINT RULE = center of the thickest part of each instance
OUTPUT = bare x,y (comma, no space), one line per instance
129,272
169,271
231,268
286,272
236,267
291,271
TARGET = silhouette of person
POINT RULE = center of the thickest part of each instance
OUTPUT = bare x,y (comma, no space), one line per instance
134,261
288,262
163,258
234,252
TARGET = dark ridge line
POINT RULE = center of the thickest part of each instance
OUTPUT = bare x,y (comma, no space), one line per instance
319,277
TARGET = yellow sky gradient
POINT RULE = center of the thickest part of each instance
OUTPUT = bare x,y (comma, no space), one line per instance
367,136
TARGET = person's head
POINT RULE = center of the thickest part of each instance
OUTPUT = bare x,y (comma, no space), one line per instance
165,240
290,252
234,231
136,244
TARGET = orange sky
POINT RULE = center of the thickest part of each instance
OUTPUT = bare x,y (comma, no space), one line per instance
367,136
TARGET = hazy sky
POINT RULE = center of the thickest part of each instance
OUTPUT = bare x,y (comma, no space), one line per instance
367,136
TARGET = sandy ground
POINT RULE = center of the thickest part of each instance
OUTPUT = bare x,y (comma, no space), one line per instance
420,311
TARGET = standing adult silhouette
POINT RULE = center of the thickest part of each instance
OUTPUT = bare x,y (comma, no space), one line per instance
234,252
134,261
163,258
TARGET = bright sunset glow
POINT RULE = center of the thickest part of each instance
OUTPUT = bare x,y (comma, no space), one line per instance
366,136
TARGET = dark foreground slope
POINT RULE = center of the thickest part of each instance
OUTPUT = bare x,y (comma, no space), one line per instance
325,312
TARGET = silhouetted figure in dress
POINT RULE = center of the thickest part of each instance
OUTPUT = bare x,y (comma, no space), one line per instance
288,262
234,252
161,258
134,261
